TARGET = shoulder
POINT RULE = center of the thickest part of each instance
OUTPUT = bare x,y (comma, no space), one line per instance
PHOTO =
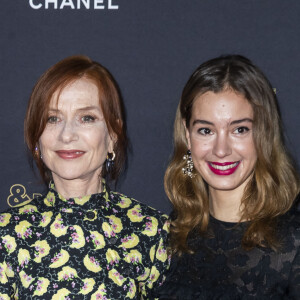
135,209
289,226
291,219
16,225
139,220
25,212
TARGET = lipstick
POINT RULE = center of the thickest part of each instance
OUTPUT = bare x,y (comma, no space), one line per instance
69,154
226,168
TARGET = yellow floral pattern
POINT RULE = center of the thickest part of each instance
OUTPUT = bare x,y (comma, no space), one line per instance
102,246
4,219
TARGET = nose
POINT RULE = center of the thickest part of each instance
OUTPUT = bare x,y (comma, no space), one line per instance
69,132
222,146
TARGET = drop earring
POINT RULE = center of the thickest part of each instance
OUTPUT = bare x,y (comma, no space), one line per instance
109,164
188,170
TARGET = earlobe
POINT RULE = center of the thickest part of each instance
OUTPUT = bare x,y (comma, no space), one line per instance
113,136
112,143
187,134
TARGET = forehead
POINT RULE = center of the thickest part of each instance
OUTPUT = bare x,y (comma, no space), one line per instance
77,93
223,105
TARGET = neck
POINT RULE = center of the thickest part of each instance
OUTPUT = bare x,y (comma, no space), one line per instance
224,206
77,187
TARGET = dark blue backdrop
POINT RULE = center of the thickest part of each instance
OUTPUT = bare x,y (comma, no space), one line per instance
151,47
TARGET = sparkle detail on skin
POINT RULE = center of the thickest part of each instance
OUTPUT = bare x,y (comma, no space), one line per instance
224,168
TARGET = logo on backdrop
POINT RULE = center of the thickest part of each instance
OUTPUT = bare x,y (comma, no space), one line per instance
74,4
18,195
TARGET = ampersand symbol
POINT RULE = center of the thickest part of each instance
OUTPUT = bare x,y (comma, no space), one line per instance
17,195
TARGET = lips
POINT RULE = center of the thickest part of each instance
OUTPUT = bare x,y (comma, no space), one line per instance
69,154
226,168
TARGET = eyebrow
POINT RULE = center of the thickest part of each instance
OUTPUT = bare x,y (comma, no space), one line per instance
86,108
89,108
199,121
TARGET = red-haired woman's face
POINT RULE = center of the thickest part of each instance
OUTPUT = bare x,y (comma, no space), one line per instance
76,140
220,138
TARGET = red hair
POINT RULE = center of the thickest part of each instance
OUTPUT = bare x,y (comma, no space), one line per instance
55,79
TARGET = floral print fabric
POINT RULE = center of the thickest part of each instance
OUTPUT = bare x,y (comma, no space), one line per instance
103,246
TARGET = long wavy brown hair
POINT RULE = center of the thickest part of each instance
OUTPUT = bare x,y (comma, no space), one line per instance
275,182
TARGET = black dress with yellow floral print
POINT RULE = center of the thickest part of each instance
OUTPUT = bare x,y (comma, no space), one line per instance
103,246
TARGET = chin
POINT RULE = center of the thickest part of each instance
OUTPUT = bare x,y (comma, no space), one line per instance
223,188
69,175
226,184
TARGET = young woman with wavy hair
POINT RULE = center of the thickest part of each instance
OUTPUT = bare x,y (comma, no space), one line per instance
235,227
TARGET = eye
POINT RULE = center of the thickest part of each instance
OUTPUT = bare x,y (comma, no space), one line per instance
241,130
204,131
88,119
53,119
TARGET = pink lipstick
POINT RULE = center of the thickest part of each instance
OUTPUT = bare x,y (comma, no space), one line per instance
226,168
69,154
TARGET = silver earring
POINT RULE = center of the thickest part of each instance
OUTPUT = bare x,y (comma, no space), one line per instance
188,170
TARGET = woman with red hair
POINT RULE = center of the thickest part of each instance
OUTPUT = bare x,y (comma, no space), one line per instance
80,240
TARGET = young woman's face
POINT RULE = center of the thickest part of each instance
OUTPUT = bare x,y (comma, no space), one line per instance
75,142
220,138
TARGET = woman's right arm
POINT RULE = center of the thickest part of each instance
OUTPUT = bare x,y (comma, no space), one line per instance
7,250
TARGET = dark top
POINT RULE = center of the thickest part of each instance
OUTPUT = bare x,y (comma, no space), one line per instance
221,269
103,246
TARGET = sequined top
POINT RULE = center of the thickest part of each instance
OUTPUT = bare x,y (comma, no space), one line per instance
103,246
221,269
